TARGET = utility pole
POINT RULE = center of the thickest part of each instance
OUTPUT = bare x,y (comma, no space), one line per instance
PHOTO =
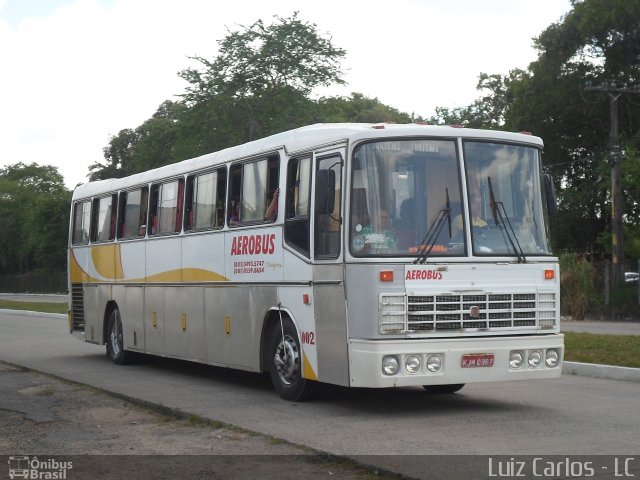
614,92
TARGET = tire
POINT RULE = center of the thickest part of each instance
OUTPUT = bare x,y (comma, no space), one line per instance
285,363
115,343
443,389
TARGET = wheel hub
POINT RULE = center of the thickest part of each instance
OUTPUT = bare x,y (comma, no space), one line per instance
116,336
287,360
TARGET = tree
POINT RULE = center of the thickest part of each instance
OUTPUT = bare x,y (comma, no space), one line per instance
358,108
486,112
265,73
34,217
598,41
289,54
259,84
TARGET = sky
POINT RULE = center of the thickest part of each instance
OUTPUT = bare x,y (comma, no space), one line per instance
73,73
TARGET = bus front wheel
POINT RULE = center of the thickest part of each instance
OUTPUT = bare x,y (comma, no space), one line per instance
115,344
285,363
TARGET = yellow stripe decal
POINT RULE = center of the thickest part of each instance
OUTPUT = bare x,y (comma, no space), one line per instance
308,369
107,261
186,275
77,274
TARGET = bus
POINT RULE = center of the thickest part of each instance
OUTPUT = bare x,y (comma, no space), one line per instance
359,255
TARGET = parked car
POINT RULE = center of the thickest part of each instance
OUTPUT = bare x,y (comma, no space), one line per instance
631,277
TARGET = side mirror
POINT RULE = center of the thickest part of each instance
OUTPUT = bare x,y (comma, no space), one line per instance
550,194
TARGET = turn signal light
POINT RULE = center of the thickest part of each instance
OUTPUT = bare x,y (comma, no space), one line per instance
386,276
549,274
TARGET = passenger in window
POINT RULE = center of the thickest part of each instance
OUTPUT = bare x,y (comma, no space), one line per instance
154,224
234,215
272,210
142,231
219,217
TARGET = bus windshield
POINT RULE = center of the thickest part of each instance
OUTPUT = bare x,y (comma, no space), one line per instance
505,199
406,200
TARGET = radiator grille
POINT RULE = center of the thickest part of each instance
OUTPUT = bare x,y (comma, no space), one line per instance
447,313
77,306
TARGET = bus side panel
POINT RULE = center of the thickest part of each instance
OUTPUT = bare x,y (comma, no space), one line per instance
331,333
130,301
202,257
164,260
184,323
92,314
234,316
133,255
154,320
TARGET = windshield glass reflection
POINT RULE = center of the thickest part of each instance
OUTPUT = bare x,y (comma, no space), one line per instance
505,201
404,199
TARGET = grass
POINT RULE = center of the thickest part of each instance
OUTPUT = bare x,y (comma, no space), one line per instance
46,392
619,350
34,306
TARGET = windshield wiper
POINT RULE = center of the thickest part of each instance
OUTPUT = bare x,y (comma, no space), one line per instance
501,219
427,244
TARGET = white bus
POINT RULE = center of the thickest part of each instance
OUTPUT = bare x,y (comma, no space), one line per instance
396,255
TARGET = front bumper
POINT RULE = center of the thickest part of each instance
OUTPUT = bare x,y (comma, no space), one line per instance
365,360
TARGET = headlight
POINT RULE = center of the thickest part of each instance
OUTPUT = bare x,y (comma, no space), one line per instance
434,363
516,359
535,358
412,364
390,365
552,358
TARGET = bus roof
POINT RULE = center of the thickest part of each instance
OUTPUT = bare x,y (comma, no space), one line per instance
298,140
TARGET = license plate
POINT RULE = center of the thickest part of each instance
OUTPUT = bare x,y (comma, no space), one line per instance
473,360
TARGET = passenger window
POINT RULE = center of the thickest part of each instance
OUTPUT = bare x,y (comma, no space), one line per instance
133,213
253,191
205,201
165,209
81,223
296,222
104,219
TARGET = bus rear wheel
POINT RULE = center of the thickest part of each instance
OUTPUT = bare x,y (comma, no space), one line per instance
115,343
285,363
443,388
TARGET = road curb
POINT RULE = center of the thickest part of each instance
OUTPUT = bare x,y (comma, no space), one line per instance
601,371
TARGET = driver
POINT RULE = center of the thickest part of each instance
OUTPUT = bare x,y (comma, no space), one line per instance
476,215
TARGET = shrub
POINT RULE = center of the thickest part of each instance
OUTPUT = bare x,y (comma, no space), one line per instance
577,286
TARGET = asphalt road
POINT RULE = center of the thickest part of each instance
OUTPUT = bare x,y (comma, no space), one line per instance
571,415
607,328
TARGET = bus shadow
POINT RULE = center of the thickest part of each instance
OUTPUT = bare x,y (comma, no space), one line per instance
392,402
389,402
471,399
204,372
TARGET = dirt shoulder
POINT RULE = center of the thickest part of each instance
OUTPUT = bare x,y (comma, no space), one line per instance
105,436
